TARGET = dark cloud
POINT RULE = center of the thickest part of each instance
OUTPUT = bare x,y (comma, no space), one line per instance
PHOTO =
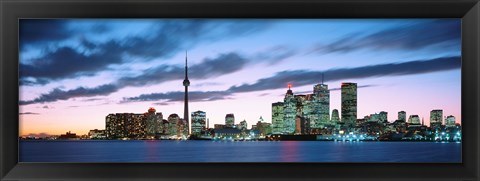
193,96
167,39
58,94
210,67
296,77
28,113
305,77
39,31
408,37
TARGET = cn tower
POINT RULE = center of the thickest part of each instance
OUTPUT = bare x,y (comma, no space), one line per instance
186,83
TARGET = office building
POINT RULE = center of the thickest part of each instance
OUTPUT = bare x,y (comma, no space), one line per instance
277,117
198,122
229,120
349,105
402,116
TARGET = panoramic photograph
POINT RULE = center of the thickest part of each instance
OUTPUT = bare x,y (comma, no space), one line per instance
240,90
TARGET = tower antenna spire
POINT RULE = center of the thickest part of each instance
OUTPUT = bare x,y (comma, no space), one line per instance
322,77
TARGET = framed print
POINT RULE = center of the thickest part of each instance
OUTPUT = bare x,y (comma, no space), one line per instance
278,90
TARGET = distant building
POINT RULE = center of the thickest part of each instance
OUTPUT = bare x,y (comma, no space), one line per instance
383,116
402,115
349,105
125,125
96,134
436,118
67,136
230,120
153,122
219,126
198,122
414,119
243,125
173,121
277,117
227,133
263,127
450,121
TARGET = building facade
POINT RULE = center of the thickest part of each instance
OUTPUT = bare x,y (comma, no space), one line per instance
198,122
277,118
230,120
402,116
290,112
349,105
321,106
414,119
436,118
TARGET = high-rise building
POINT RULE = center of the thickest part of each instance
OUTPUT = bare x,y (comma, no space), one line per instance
186,83
335,116
402,116
436,118
125,125
290,111
153,122
173,120
277,117
198,122
349,105
383,117
321,106
450,121
243,125
230,120
414,119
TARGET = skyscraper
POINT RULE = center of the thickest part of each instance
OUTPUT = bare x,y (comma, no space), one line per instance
383,117
229,120
349,105
289,109
414,119
197,122
322,105
436,118
402,116
277,117
186,83
450,121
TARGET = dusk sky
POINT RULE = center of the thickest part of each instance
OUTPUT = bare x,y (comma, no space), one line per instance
74,72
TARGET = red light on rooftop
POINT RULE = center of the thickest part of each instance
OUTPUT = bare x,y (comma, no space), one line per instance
289,85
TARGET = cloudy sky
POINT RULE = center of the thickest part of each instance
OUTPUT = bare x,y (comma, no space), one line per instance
74,72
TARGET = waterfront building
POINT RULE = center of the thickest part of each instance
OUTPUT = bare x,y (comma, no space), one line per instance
414,119
227,133
96,134
125,125
321,106
277,117
402,115
349,105
450,121
198,122
383,117
243,125
229,120
263,127
436,120
173,120
290,111
153,122
219,126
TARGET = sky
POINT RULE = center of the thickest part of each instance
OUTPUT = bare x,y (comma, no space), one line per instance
74,72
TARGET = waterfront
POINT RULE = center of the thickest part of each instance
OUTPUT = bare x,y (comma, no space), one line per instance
238,151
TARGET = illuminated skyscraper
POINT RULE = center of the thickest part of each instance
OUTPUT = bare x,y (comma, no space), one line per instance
173,120
414,119
153,122
289,109
383,117
186,83
243,125
349,105
198,122
229,120
402,115
277,117
450,121
436,118
321,105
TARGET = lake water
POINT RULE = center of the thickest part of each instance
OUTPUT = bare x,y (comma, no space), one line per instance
240,151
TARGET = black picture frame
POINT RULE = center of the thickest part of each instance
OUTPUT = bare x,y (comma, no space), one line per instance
12,10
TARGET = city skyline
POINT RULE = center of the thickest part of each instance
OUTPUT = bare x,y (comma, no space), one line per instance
228,77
